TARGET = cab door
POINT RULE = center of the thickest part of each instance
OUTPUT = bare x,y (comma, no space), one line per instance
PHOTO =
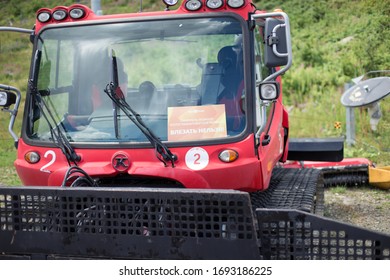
272,53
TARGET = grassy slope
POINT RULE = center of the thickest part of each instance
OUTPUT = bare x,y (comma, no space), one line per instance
333,42
323,62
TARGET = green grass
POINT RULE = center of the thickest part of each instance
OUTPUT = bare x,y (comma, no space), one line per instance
339,190
333,42
8,177
316,118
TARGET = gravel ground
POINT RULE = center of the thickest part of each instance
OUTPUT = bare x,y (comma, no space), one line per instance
367,207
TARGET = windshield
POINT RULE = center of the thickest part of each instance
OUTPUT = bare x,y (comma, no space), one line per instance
184,78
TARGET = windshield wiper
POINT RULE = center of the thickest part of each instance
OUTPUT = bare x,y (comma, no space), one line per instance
115,81
115,93
58,136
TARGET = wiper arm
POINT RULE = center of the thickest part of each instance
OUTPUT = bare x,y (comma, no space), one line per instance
57,135
115,93
115,81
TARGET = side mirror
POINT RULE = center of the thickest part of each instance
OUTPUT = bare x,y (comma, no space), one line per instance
7,98
276,53
269,91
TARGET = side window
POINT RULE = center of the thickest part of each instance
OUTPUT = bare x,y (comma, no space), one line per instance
258,58
54,81
258,72
261,71
61,76
56,69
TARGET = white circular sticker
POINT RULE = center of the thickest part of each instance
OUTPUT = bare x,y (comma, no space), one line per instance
197,158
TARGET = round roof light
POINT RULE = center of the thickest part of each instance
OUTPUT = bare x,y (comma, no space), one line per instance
77,13
44,17
193,5
235,3
214,4
60,14
170,2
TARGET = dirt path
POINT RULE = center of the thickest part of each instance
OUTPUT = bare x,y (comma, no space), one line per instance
367,207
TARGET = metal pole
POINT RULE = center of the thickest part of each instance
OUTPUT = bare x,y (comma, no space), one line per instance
96,8
351,136
350,122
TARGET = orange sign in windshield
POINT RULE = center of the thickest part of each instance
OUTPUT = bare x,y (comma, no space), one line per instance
196,122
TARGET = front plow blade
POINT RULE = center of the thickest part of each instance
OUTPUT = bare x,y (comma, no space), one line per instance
122,223
286,234
126,223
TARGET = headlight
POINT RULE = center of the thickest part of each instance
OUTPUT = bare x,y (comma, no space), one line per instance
269,90
32,157
228,155
7,98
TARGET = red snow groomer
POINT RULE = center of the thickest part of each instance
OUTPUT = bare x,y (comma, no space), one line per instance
158,135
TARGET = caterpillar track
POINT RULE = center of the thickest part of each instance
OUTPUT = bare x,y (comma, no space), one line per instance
291,188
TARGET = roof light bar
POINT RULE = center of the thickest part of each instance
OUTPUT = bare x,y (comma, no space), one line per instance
64,13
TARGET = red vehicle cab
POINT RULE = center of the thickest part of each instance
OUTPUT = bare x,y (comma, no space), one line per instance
185,98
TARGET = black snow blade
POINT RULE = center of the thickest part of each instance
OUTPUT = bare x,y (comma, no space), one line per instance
316,149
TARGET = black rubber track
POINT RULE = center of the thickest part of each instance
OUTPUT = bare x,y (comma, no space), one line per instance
293,188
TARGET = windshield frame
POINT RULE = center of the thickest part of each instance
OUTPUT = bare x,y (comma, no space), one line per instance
248,81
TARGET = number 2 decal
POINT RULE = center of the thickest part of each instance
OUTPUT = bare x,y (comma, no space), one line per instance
197,158
53,159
